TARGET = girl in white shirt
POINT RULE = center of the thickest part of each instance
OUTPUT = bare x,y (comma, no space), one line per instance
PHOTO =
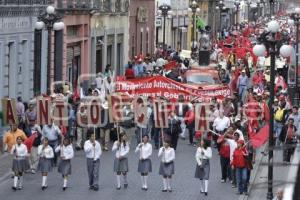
145,165
20,163
46,155
203,155
121,161
66,154
166,168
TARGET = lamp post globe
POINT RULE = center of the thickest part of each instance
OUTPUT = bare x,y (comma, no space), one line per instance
50,10
259,50
57,26
297,10
39,25
273,26
286,50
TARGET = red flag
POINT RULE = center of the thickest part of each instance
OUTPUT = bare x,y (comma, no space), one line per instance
266,112
261,137
171,65
29,141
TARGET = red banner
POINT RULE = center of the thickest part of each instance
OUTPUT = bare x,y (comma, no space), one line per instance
159,86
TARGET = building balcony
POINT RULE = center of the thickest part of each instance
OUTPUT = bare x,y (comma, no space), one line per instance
25,2
94,6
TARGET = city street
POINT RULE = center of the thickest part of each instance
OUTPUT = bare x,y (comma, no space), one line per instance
185,186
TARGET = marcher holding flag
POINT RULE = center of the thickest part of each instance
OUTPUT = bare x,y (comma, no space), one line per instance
66,154
93,151
167,167
121,146
144,166
203,155
20,163
46,155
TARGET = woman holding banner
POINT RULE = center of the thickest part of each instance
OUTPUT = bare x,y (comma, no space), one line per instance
121,146
66,154
166,169
46,155
145,166
203,155
20,162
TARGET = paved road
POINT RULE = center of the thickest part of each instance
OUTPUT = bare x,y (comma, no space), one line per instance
185,186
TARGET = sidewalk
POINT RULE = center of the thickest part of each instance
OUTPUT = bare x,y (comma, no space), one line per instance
259,183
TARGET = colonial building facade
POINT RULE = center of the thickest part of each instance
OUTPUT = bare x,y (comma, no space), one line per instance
17,47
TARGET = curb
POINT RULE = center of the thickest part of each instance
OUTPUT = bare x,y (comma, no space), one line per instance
254,174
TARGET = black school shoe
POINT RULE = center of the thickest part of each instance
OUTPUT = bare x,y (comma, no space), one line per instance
125,185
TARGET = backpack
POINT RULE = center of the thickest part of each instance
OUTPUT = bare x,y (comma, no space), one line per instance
279,114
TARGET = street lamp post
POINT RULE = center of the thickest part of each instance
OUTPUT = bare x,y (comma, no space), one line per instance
194,9
296,17
269,40
237,6
49,20
164,10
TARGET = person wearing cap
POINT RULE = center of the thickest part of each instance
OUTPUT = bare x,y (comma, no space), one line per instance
239,163
295,115
232,138
238,128
242,84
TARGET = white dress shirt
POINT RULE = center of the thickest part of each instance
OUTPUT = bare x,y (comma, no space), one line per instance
121,150
167,154
19,151
66,152
45,153
221,123
202,153
91,151
145,150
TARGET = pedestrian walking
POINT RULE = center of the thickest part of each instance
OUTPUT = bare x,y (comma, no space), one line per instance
224,158
190,123
20,163
203,155
121,147
289,138
33,158
54,135
46,154
239,163
145,165
66,154
93,151
167,167
174,129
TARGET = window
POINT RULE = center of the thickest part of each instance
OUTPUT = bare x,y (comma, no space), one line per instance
147,42
72,31
132,47
141,42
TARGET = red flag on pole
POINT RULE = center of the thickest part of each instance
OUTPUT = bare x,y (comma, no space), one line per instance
261,137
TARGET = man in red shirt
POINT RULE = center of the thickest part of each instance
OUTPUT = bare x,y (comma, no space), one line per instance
224,158
239,163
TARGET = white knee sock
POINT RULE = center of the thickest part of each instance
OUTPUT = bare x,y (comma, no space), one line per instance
145,181
65,182
205,185
169,183
20,183
201,186
165,184
15,181
44,181
118,180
